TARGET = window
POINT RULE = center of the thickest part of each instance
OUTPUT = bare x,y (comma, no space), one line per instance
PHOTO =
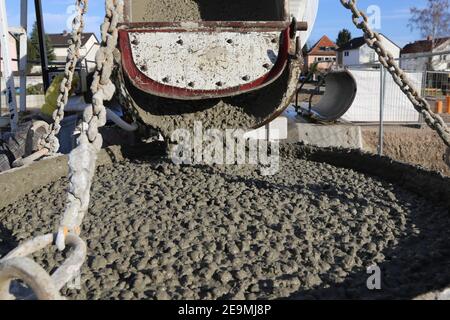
346,53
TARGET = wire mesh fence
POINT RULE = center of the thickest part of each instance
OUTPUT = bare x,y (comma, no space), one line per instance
390,124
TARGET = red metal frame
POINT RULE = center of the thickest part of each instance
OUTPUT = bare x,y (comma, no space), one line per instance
142,82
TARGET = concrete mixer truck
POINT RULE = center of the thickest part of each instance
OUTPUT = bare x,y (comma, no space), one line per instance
233,64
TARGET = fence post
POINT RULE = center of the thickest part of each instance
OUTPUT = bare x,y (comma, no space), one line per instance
382,95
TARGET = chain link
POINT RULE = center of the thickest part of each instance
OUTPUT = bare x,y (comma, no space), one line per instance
387,60
81,164
51,142
82,160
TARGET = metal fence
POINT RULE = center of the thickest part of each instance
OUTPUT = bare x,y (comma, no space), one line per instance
390,124
436,84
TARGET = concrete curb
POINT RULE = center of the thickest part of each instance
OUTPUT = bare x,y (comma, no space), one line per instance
16,183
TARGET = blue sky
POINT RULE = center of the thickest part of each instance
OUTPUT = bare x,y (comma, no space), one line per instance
332,17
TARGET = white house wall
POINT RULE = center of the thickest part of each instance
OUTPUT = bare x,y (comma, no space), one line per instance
12,53
352,58
365,54
440,63
88,51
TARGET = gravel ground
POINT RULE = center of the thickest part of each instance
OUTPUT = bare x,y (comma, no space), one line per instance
160,231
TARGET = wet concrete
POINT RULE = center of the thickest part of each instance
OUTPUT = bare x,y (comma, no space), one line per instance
160,231
207,10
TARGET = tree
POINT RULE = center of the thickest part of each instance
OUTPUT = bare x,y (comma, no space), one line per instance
306,48
33,47
344,36
433,21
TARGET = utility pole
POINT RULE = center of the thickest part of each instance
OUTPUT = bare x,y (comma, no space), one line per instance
42,47
23,54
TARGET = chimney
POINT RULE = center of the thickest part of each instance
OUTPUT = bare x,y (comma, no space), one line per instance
429,38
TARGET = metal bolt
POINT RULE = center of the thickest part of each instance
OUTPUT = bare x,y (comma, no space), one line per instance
266,65
180,42
135,41
144,67
245,78
191,84
219,83
166,79
274,40
230,41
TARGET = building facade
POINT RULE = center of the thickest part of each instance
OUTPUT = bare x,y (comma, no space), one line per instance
412,55
323,53
13,54
356,52
88,50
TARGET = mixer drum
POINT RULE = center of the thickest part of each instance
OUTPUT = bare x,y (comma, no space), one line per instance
232,65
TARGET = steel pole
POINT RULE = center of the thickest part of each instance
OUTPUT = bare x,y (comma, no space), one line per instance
42,46
382,96
23,54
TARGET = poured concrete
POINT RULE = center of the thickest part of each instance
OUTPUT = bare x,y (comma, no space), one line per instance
159,231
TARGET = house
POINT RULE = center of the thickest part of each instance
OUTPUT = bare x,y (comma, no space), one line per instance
88,50
323,53
412,52
13,54
356,51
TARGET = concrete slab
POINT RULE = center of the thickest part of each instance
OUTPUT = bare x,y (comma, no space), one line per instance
333,135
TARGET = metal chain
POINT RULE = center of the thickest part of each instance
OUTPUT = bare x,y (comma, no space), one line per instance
81,171
51,142
374,41
82,160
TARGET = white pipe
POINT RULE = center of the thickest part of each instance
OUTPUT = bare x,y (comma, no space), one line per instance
77,104
111,116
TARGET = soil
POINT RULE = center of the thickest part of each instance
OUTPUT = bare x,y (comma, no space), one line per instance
411,145
160,231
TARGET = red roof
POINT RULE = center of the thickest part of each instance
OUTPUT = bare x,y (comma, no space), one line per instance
323,47
422,46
